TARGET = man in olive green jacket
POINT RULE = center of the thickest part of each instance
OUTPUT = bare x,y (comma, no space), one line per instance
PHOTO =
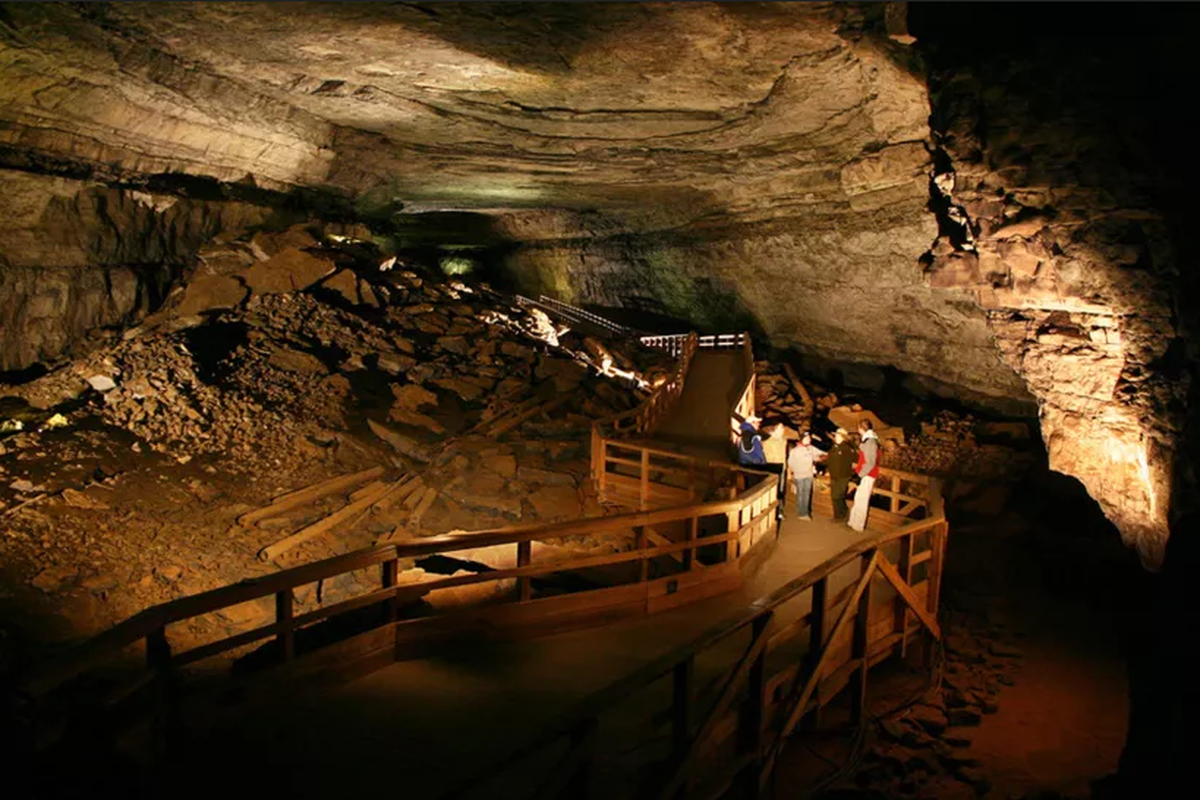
840,464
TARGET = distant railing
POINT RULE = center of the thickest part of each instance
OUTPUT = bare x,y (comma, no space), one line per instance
574,313
744,406
715,713
647,416
673,342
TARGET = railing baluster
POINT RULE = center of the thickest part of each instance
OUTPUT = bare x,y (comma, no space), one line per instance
158,660
859,643
644,486
902,612
639,544
817,621
751,718
525,582
286,638
389,577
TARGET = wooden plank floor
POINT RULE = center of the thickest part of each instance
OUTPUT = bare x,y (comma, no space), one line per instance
699,423
414,727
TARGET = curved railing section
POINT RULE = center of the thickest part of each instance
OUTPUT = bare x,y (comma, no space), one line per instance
715,713
673,555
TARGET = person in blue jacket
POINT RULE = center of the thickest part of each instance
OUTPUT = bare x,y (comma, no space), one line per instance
750,449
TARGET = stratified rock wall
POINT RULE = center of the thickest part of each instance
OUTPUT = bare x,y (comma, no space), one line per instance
1051,222
78,255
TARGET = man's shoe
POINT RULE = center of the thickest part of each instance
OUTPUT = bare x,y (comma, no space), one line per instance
806,516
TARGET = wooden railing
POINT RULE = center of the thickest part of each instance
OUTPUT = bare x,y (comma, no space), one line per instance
675,555
672,342
715,713
643,419
745,405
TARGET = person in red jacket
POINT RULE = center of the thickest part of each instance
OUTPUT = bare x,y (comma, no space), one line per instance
867,470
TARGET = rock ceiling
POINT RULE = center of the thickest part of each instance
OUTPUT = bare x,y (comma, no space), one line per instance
765,165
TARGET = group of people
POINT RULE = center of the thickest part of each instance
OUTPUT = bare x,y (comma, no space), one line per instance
844,461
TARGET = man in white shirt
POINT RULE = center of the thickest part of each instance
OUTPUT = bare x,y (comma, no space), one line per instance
800,467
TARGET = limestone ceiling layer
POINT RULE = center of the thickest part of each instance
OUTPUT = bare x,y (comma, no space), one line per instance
460,106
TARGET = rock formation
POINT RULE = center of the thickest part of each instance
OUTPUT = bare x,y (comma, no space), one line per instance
773,167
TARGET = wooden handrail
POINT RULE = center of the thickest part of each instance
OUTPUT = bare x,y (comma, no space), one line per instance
147,622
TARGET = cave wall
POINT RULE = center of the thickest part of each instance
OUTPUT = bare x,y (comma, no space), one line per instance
1055,223
978,210
77,256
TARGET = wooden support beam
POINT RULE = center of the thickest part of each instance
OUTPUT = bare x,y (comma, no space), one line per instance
343,514
301,497
905,594
859,641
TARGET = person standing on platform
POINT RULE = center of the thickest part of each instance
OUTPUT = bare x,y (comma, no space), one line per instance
775,451
800,466
750,448
867,469
840,464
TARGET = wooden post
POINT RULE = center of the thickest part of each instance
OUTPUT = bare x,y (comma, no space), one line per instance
689,555
644,485
639,543
390,577
602,480
525,582
817,623
732,519
283,617
158,660
901,607
937,544
858,644
895,491
750,721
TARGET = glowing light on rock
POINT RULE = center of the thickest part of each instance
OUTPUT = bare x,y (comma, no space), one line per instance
1127,453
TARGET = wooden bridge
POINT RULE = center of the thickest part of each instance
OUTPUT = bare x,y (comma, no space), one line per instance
675,667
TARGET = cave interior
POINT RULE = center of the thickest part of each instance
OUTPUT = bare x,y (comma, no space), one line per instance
244,244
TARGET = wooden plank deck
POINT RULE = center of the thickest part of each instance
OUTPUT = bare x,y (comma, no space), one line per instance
415,726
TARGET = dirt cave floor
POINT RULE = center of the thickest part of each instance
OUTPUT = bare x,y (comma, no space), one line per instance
126,472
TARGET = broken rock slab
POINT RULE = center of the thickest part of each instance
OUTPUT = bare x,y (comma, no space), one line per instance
291,270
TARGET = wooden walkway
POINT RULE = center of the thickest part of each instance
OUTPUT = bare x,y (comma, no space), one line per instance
421,726
699,423
414,727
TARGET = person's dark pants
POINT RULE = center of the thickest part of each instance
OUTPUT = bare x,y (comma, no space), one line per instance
780,489
837,493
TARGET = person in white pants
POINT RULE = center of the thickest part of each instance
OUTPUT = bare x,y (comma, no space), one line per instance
867,470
